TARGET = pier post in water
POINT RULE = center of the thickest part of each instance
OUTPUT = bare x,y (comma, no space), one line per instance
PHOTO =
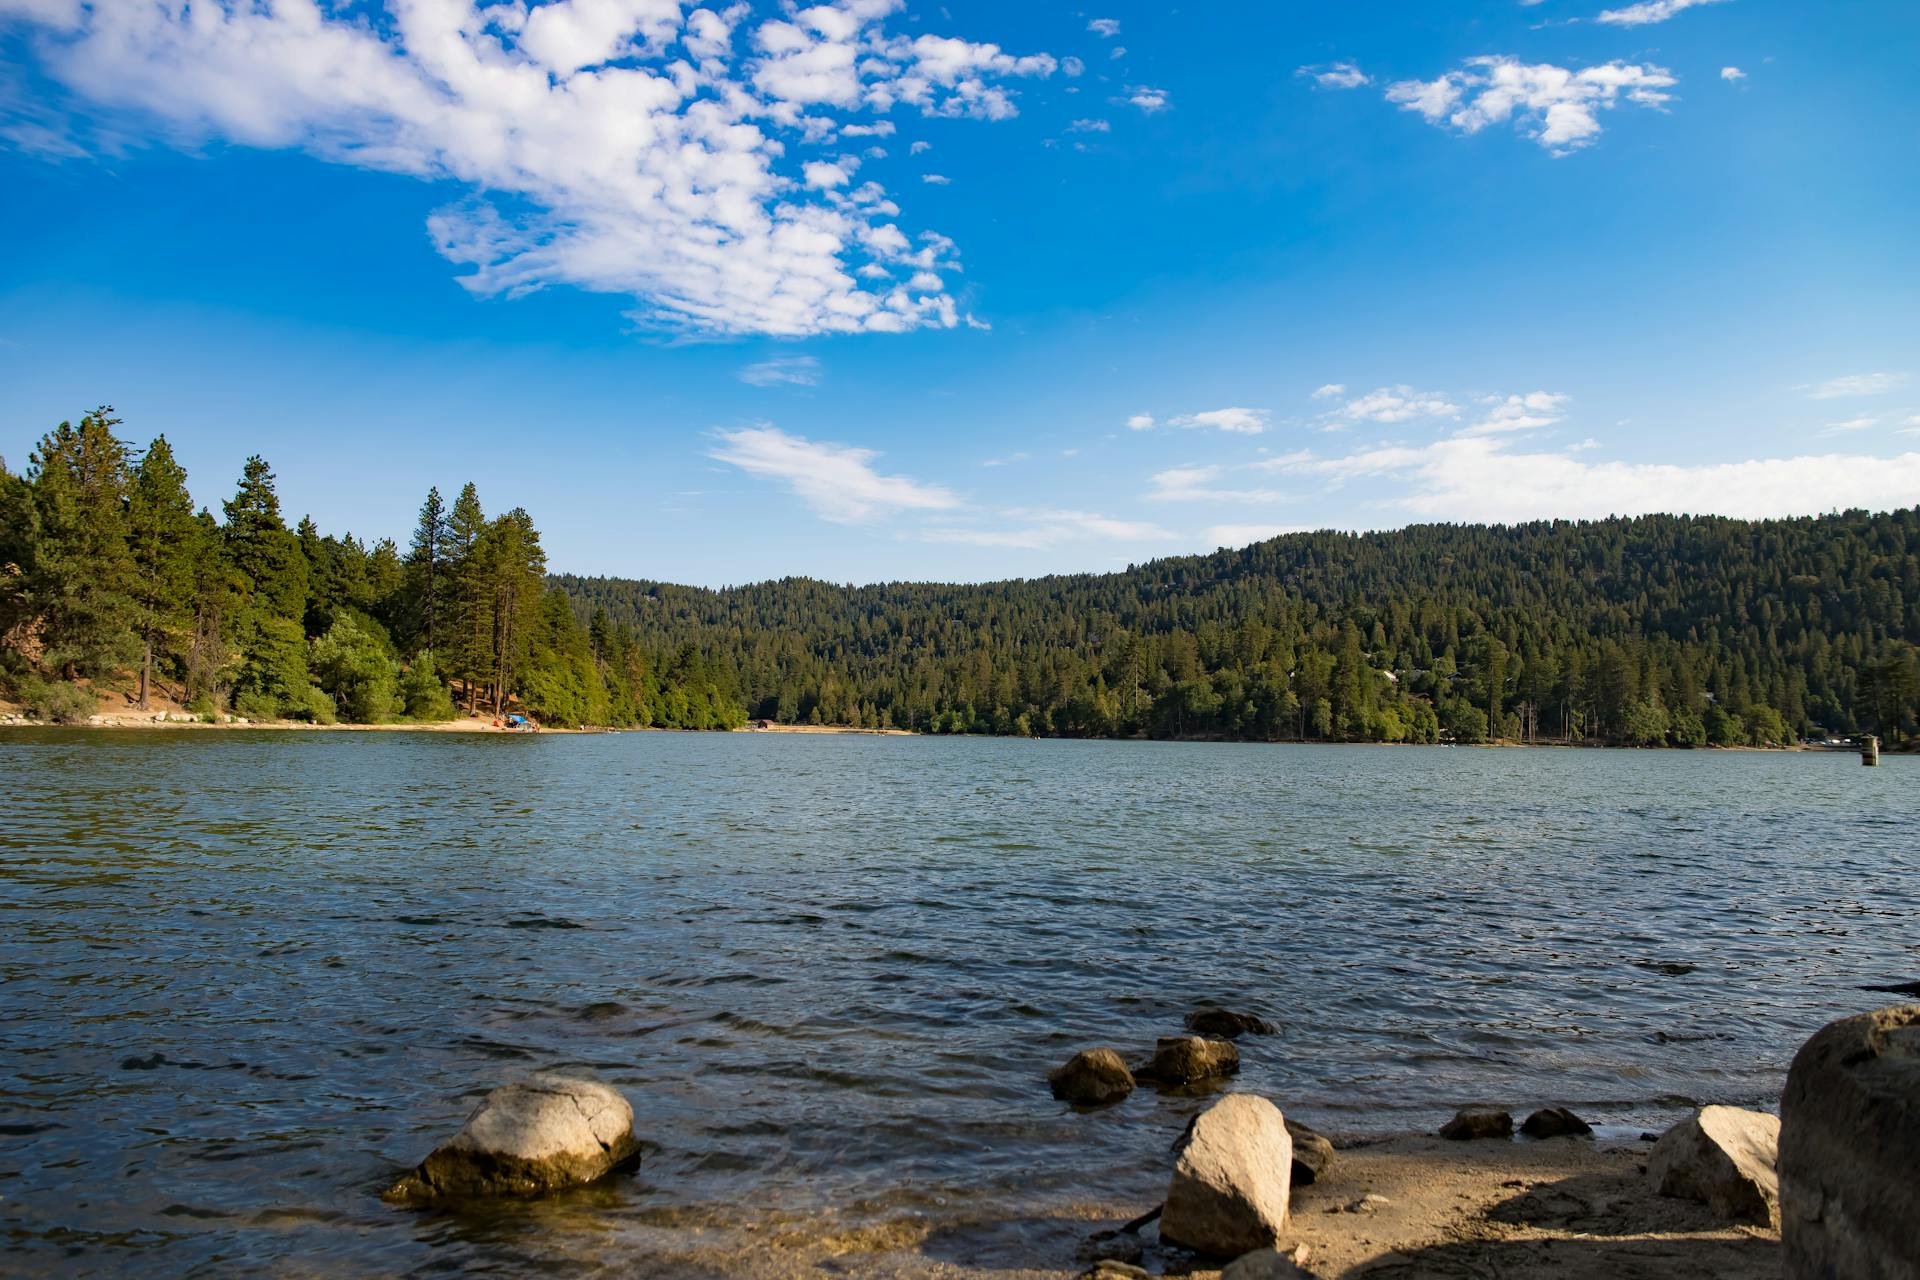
1870,751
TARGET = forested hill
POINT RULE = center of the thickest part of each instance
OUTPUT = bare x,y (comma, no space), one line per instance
1658,629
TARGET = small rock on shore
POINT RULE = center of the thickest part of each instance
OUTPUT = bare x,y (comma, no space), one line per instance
1478,1122
1092,1078
528,1138
1723,1157
1231,1174
1184,1059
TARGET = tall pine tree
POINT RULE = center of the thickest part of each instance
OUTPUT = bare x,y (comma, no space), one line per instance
163,537
81,586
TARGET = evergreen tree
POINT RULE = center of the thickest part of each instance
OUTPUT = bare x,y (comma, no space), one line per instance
81,589
163,537
426,564
267,558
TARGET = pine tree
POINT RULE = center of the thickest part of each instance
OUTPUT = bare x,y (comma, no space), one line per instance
163,537
81,588
267,557
426,563
19,526
471,651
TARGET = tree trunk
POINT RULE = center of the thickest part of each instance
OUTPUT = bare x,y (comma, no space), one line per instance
146,670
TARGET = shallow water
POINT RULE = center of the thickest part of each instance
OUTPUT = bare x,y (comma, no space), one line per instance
248,977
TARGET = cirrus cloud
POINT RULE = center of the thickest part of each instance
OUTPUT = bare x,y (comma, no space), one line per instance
837,481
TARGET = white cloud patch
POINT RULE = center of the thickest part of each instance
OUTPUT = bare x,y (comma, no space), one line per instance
1240,535
1390,405
1848,425
1140,422
936,179
622,146
1215,484
1105,28
1731,74
1148,100
1854,384
1030,529
1341,75
1250,422
1330,390
1557,107
1089,126
1529,412
795,371
837,481
1072,67
1639,15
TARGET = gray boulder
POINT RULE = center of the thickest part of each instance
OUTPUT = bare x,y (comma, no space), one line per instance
1478,1122
1311,1154
1724,1158
528,1138
1264,1264
1092,1078
1850,1150
1555,1122
1231,1179
1185,1059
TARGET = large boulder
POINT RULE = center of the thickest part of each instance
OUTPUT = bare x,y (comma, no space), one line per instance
1478,1122
528,1138
1225,1024
1231,1178
1092,1078
1184,1059
1850,1150
1311,1153
1724,1158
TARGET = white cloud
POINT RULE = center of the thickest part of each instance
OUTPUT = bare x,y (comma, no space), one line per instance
1203,484
1732,73
1847,425
1854,384
1392,404
919,147
1341,75
1140,422
1031,529
1331,390
1239,421
1637,15
1148,100
619,146
1557,107
1089,126
1529,412
1105,28
838,481
1072,66
798,371
1240,535
1480,478
936,179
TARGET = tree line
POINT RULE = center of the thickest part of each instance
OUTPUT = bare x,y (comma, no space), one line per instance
110,577
1658,630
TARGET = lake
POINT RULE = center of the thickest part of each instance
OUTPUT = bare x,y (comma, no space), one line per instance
250,976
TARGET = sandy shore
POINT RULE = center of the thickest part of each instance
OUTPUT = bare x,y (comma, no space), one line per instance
1567,1207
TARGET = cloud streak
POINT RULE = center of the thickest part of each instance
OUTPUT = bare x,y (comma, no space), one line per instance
837,481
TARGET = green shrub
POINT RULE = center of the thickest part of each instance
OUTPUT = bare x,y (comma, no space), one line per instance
56,701
422,696
351,663
316,706
202,708
256,706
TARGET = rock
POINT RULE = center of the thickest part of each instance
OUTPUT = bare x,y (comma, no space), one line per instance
1555,1122
1111,1269
1478,1122
1264,1264
1224,1024
1113,1246
1231,1175
1850,1150
1184,1059
1092,1078
536,1135
1724,1158
1311,1154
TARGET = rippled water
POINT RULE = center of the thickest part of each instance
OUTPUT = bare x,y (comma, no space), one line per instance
250,976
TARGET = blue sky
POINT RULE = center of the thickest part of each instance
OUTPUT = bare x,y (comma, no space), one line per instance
871,290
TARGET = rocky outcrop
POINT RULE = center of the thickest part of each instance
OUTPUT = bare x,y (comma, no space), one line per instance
1478,1122
1311,1154
1092,1078
1231,1179
1264,1264
1724,1158
1850,1150
1225,1024
528,1138
1555,1122
1184,1059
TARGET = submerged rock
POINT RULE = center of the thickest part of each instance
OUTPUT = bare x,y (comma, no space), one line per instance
1311,1154
1724,1158
528,1138
1555,1122
1850,1150
1184,1059
1231,1174
1478,1122
1092,1078
1225,1024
